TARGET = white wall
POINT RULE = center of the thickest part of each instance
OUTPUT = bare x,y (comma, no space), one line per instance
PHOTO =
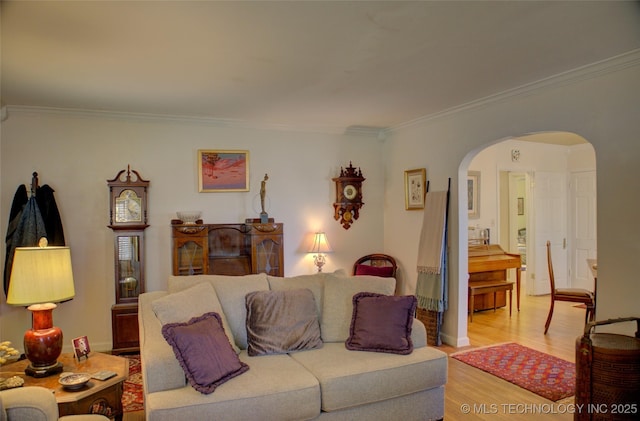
77,153
600,104
495,158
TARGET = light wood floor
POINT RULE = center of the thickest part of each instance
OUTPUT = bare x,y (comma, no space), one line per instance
501,399
491,398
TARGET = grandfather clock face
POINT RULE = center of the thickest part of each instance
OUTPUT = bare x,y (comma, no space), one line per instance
348,196
127,201
128,207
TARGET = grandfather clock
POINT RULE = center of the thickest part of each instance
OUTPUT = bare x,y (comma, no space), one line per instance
128,220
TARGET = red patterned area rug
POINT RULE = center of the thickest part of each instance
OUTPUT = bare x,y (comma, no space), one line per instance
132,397
543,374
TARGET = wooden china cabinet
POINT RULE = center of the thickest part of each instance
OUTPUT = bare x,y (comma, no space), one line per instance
228,249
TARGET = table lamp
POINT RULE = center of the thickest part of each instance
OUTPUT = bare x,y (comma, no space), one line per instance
41,276
320,246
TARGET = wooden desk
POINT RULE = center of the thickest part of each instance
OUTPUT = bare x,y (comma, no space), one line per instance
490,263
101,397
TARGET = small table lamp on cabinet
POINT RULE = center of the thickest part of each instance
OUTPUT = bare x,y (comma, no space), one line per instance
41,276
320,246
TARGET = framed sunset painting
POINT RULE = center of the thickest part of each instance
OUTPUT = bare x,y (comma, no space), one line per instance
223,170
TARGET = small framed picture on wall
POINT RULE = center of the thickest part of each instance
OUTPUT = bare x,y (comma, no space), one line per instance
473,194
414,188
520,206
223,171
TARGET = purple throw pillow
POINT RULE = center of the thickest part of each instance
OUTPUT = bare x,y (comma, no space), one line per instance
383,271
382,323
204,352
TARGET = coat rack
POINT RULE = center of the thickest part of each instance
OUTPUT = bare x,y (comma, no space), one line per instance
34,183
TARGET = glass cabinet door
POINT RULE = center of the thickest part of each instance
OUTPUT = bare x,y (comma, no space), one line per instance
267,256
190,259
129,268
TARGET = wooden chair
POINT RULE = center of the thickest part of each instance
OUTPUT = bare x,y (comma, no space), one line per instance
574,295
378,264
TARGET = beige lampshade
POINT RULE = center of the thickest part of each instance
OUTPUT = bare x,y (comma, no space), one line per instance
320,244
40,275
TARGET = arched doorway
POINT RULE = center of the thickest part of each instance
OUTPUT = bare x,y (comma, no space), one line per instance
521,219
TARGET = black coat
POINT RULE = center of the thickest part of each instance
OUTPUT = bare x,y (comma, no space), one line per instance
29,220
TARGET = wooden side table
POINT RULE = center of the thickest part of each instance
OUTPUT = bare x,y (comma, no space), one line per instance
97,397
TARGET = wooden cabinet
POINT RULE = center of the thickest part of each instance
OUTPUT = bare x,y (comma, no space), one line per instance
190,249
124,326
266,247
228,249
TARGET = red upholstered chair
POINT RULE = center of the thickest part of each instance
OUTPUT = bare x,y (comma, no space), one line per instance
376,264
574,295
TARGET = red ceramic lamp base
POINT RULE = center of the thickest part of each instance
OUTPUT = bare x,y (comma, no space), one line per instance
43,343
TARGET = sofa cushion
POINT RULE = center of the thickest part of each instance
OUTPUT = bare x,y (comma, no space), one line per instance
281,321
382,323
337,307
315,283
384,271
204,352
232,291
275,388
177,283
349,379
196,300
161,370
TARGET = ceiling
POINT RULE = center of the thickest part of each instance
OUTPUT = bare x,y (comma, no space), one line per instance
330,65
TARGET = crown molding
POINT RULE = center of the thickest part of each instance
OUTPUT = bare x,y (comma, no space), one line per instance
610,65
590,71
218,122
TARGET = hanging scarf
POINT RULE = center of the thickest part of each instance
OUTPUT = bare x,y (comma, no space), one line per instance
431,287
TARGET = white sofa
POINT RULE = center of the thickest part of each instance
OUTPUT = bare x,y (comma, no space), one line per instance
331,382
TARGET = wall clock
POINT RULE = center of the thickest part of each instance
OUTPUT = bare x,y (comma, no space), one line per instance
348,195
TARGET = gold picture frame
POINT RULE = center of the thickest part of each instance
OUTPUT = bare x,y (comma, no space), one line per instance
415,188
223,170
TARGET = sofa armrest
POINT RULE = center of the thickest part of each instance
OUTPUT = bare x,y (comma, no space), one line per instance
35,403
29,403
418,334
160,367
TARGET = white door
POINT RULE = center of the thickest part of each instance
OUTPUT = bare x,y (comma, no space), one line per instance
550,216
582,229
518,215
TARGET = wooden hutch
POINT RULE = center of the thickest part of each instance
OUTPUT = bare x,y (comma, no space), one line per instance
228,249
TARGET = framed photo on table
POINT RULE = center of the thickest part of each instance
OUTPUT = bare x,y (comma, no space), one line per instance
473,194
223,171
81,348
414,188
